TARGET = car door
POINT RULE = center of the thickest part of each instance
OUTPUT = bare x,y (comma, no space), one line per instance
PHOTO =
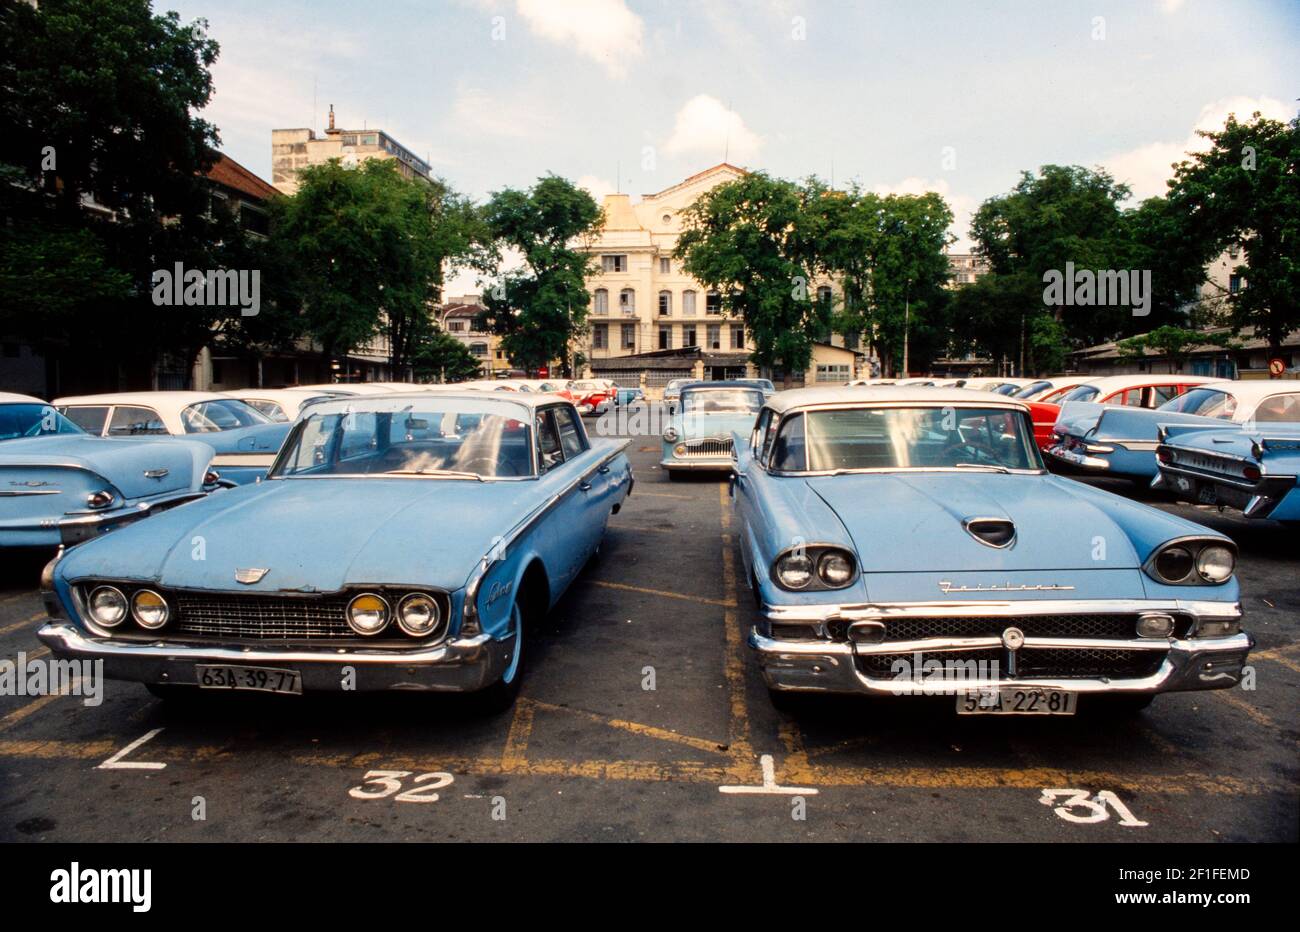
566,537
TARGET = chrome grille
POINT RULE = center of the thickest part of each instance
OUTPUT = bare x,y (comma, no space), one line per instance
1032,662
710,447
1108,627
262,617
1209,463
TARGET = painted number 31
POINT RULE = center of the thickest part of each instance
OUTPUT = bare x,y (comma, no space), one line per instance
1078,806
380,784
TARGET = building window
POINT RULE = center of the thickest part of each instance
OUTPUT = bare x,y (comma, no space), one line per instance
665,303
688,303
713,333
737,337
479,349
629,336
613,263
501,354
602,301
824,295
832,373
713,304
688,335
665,337
665,266
599,336
1235,283
456,326
627,301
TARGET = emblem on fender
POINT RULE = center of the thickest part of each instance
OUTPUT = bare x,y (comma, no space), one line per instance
498,591
945,586
251,575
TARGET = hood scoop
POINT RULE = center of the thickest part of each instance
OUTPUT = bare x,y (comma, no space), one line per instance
991,532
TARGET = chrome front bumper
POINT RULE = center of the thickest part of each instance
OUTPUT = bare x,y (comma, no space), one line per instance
822,665
82,527
455,665
703,464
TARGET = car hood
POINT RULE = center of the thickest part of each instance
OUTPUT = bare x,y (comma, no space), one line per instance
121,462
315,535
260,438
902,523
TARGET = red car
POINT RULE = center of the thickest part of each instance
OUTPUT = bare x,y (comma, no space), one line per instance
589,393
1144,390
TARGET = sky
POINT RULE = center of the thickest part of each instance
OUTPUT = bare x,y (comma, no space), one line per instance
955,96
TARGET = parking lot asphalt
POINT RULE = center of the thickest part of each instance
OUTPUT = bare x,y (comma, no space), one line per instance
643,717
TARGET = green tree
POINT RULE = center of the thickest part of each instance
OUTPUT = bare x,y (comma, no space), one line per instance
748,241
1245,191
442,356
540,308
366,250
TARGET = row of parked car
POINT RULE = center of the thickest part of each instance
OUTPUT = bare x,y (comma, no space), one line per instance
897,540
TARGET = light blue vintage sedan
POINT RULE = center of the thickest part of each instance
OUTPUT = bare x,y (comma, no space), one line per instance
698,435
1252,467
60,486
1120,441
399,542
906,541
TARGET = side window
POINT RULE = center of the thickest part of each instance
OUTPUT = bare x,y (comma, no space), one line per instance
549,453
1279,408
359,429
130,422
788,450
269,408
756,439
89,419
571,439
1162,393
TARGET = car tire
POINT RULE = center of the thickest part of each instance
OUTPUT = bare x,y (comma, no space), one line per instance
1121,706
501,695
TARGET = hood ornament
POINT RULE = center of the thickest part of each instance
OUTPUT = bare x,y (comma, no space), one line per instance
155,473
251,575
991,532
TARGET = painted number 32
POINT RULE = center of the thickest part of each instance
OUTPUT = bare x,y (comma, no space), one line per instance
380,784
1078,806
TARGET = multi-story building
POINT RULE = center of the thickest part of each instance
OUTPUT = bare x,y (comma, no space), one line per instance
966,267
459,317
650,321
292,150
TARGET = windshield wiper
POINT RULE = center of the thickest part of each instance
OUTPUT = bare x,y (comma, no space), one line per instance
992,466
444,473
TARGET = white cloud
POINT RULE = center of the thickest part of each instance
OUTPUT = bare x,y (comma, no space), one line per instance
704,124
1146,168
1171,6
605,31
963,206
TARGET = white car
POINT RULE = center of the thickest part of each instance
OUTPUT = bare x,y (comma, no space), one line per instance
355,388
245,440
281,404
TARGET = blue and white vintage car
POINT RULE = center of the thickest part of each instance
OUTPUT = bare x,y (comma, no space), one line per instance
1114,440
1253,467
60,486
400,542
909,541
698,435
245,440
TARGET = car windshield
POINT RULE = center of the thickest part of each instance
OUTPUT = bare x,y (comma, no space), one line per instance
993,439
436,438
1080,393
1207,402
220,414
1033,388
722,401
33,420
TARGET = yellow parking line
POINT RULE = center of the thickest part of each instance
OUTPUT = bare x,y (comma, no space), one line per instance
521,728
17,715
18,625
660,592
685,498
647,731
641,527
1275,656
734,670
1249,710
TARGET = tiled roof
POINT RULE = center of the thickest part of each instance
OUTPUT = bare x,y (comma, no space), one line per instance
226,171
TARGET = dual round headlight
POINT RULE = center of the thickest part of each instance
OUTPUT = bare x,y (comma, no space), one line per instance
418,614
799,569
108,608
671,435
1212,563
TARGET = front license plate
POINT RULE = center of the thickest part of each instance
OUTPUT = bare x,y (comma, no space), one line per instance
262,679
1207,495
1013,701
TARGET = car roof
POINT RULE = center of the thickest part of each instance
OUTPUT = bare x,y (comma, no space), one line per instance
697,384
866,394
147,399
394,400
1110,383
11,398
1255,388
